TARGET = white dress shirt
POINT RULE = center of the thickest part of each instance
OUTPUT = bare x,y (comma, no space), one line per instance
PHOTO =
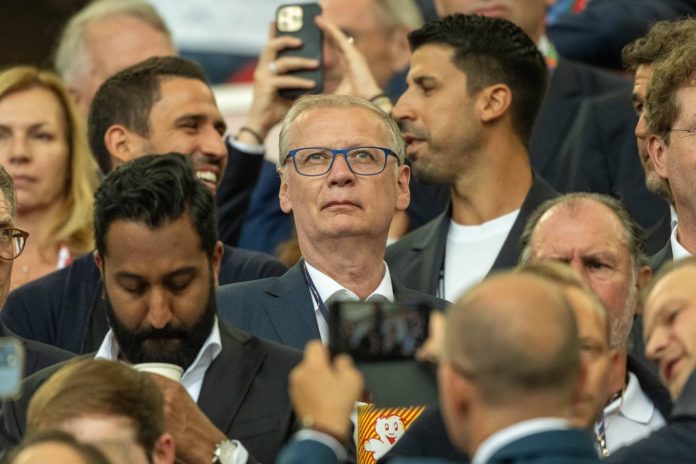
192,379
630,418
678,251
329,289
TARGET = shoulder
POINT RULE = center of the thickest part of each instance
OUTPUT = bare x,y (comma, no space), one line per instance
240,265
275,353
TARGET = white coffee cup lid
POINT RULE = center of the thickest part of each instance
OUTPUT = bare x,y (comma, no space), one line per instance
170,371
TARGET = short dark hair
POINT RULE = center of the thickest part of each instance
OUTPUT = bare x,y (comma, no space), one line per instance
155,189
89,453
492,51
127,98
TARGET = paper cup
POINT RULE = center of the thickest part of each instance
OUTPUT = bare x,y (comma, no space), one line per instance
170,371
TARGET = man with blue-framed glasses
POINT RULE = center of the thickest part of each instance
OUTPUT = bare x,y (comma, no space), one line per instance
343,177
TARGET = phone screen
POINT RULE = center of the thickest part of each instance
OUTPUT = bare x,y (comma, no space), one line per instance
11,366
376,331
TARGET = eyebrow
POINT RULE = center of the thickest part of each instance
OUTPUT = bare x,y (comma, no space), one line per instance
181,271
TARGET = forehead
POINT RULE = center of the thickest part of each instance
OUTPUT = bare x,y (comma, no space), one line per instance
352,15
339,127
676,286
434,60
584,226
686,102
134,247
180,97
31,106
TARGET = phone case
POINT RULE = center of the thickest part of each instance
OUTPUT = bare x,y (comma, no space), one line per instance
297,20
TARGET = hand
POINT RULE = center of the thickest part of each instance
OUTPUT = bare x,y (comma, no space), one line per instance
324,391
195,437
357,77
432,347
267,106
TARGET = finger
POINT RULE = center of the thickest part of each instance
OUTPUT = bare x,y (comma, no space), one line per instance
316,353
287,64
292,82
276,44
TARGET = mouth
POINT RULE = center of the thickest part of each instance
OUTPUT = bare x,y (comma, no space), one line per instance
494,11
209,179
22,180
412,143
340,204
669,370
391,439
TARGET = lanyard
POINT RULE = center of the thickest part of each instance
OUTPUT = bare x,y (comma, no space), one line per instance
315,293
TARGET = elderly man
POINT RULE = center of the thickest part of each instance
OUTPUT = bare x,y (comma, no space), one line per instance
12,240
93,45
670,117
342,176
595,235
159,257
467,124
427,436
123,415
371,65
498,407
160,105
670,331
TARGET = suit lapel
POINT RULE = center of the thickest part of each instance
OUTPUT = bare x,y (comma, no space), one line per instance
289,308
230,375
431,247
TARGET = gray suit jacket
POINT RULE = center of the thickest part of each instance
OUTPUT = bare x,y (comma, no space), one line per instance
281,308
417,258
244,393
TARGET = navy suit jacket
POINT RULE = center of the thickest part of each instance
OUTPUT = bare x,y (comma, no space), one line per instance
416,259
551,447
674,443
37,355
66,308
427,435
281,308
244,393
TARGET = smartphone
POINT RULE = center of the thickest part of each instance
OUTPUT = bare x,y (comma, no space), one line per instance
297,20
11,366
383,338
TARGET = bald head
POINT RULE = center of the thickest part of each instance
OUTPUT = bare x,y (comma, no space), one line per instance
515,335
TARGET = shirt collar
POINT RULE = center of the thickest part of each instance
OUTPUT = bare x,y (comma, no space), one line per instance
328,287
633,403
211,348
504,437
678,251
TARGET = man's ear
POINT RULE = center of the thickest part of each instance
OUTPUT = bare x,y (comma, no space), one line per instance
164,451
216,262
494,102
403,192
99,261
122,144
283,196
657,149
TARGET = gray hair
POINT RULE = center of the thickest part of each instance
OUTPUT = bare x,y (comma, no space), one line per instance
71,54
311,102
631,231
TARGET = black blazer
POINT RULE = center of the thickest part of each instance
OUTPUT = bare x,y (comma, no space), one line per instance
244,393
281,308
661,257
66,309
416,259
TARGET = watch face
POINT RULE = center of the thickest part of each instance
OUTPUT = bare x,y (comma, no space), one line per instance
224,452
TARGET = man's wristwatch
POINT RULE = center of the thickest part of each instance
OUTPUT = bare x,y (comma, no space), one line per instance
224,452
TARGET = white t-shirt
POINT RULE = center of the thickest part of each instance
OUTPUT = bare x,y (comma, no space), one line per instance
471,251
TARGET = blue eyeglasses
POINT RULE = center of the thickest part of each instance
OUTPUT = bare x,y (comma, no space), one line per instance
317,161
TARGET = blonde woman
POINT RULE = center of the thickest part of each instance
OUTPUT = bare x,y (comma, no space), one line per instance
44,148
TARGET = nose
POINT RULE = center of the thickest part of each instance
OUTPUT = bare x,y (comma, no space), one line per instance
579,266
213,144
403,108
20,149
159,311
656,343
340,173
641,130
